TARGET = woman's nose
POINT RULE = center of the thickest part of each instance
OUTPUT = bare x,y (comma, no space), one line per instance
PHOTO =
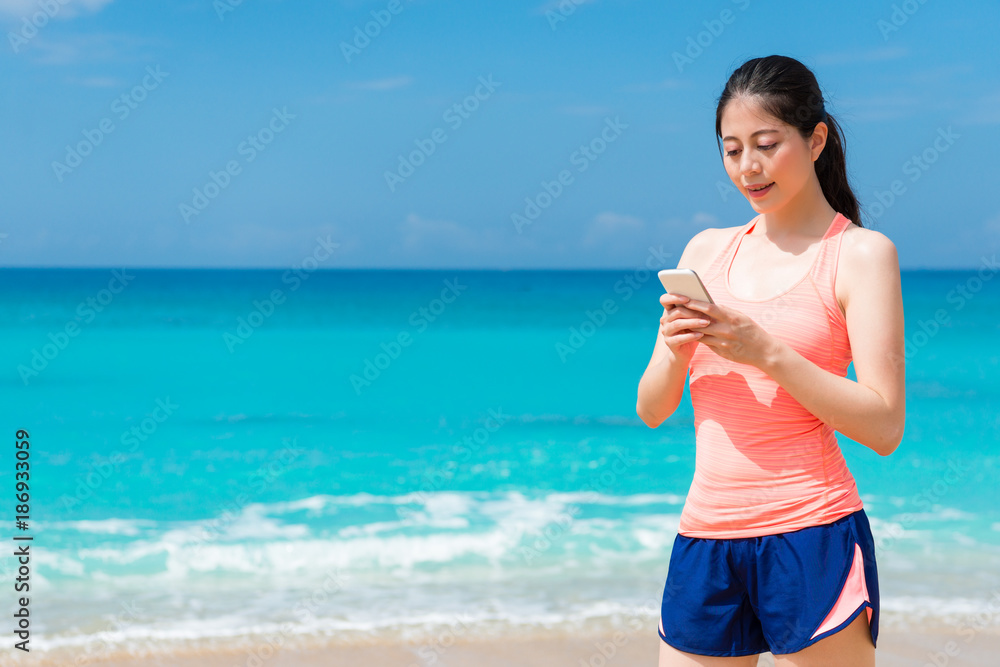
748,164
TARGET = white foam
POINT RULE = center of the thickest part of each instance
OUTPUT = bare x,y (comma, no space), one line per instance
252,524
493,614
186,555
254,543
451,502
594,498
447,533
106,526
59,562
939,514
943,608
496,616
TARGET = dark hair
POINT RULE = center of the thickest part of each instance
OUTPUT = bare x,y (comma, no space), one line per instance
787,90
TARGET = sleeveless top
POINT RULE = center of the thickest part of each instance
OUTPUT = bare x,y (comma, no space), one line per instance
764,464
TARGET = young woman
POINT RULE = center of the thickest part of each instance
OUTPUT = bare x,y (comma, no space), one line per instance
774,551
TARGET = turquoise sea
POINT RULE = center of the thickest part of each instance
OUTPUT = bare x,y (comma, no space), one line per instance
352,454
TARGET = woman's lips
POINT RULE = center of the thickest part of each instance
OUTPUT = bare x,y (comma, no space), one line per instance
756,194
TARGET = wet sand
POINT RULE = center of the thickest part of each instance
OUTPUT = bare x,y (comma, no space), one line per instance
937,647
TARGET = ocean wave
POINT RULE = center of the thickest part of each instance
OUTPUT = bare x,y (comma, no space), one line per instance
491,618
509,531
107,526
449,532
317,503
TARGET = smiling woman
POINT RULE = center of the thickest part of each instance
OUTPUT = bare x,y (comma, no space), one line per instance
774,551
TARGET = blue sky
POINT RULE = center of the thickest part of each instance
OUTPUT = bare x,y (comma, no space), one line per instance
242,132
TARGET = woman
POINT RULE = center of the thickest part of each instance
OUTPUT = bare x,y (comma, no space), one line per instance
774,551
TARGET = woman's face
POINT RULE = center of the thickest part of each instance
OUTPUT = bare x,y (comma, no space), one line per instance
760,150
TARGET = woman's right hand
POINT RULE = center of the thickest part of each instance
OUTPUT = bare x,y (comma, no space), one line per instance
679,325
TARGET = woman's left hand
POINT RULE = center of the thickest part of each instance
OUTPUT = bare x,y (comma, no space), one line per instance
733,335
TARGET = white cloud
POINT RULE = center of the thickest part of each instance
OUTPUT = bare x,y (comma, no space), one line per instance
99,82
619,239
613,228
75,49
61,10
417,233
942,74
992,226
390,83
678,231
984,111
704,220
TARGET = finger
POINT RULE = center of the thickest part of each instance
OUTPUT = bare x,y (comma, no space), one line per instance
686,337
682,326
710,309
681,311
668,299
692,323
684,315
682,334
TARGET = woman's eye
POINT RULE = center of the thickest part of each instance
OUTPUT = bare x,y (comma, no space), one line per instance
763,148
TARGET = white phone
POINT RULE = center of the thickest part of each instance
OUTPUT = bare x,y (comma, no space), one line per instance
684,282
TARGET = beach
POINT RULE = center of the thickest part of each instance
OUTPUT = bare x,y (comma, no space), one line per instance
939,647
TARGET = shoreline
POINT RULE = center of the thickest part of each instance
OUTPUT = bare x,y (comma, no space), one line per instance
941,646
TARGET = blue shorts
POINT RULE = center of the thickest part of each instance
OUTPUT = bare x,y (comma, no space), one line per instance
743,596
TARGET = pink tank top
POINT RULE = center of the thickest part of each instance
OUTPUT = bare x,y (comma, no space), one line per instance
764,464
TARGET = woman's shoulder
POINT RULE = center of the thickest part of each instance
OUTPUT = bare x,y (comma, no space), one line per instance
705,246
867,257
864,245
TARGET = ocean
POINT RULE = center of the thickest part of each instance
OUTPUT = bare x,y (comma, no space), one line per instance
350,455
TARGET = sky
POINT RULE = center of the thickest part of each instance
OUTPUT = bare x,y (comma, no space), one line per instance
450,134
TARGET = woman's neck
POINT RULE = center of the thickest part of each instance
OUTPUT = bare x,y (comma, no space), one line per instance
809,214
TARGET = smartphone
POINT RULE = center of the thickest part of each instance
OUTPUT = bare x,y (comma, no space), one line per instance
684,282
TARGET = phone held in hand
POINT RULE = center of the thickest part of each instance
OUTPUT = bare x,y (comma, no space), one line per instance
684,282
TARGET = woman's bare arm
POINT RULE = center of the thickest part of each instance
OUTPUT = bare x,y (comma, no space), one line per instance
661,387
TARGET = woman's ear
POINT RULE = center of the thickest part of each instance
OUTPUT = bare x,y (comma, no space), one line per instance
818,140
